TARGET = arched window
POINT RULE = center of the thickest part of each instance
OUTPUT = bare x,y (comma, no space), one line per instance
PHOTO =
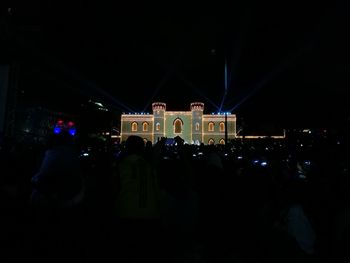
134,126
222,126
211,141
157,126
145,126
222,141
178,126
197,126
211,126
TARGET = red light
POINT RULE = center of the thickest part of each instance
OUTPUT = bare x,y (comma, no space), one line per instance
70,124
59,122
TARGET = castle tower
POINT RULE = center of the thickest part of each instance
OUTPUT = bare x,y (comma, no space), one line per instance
197,115
159,109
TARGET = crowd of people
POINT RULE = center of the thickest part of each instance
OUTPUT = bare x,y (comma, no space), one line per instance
260,200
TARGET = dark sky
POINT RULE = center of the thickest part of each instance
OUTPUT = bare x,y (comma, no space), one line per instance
287,65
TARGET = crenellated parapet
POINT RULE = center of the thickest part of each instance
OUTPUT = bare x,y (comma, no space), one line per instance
197,106
158,106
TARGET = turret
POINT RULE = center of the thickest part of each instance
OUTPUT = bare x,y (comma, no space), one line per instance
159,109
197,109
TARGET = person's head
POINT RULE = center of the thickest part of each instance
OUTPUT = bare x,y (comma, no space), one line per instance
134,145
61,139
149,145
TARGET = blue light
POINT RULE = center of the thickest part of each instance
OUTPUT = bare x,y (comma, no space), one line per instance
256,161
56,130
263,163
72,131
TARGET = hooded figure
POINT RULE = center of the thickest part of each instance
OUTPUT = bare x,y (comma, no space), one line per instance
59,181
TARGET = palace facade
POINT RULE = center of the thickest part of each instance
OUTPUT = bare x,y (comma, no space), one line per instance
193,126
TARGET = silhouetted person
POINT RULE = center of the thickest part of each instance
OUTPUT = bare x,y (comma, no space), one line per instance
149,156
212,204
57,193
58,184
137,203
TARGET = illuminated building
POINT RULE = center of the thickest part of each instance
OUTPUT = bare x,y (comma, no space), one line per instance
192,126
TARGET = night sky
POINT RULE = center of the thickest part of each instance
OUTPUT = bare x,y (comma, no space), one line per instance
287,65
